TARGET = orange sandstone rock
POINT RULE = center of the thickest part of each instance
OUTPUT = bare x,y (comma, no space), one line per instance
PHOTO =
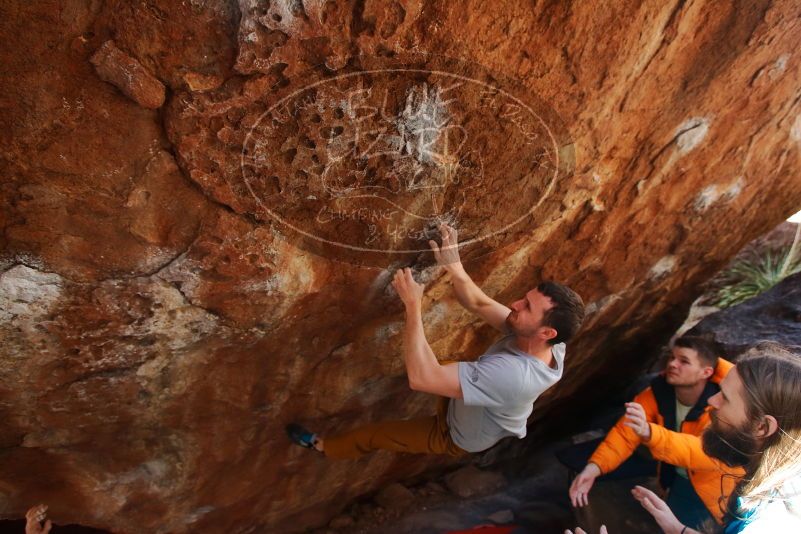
178,284
128,75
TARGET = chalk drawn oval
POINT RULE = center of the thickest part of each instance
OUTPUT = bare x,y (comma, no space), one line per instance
362,166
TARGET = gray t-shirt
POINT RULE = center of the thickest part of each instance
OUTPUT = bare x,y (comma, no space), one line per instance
499,391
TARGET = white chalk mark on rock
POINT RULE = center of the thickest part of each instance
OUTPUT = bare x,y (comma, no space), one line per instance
27,293
664,266
795,130
690,134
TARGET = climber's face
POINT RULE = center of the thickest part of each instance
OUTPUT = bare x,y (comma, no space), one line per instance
528,313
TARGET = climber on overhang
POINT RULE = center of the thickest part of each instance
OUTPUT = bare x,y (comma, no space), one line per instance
481,401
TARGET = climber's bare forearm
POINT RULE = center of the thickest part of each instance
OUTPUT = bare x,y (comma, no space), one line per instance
476,301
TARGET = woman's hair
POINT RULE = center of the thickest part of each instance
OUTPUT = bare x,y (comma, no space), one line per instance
771,377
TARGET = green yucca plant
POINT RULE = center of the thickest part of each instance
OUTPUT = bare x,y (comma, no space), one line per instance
749,278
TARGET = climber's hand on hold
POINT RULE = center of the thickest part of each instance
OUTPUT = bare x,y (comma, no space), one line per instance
410,292
447,255
34,518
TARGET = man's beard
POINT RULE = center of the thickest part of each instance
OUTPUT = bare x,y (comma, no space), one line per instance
734,447
519,331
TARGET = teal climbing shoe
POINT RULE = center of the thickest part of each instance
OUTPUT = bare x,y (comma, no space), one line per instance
300,436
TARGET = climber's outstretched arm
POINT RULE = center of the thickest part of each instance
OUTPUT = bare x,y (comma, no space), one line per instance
467,292
424,371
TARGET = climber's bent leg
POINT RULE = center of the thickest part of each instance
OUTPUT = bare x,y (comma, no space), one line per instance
425,435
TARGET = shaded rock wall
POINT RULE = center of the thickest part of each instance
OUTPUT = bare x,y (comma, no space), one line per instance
162,319
774,315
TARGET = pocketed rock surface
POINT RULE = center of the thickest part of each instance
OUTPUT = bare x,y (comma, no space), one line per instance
179,283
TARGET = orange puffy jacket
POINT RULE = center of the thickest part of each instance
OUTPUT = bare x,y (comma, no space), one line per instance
713,480
659,403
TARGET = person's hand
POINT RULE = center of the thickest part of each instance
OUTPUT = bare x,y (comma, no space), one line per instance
447,255
658,508
410,292
34,518
581,531
637,421
582,484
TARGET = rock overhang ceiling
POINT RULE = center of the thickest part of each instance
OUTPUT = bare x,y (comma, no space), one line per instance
161,321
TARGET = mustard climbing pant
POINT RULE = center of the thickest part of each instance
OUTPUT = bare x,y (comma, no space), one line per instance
425,435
